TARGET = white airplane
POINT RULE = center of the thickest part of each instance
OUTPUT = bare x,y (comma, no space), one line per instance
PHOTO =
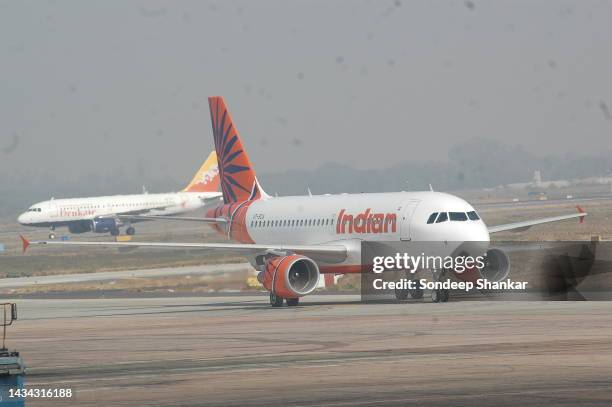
106,214
291,240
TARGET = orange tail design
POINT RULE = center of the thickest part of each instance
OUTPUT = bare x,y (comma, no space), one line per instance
207,177
238,179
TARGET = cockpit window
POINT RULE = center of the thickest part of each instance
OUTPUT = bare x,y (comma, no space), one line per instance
458,216
473,215
432,218
443,217
34,210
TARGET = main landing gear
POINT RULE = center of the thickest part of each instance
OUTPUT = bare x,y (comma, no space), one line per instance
130,231
439,295
277,301
415,294
52,233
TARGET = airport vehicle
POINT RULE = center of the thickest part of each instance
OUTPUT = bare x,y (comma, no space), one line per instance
107,214
291,240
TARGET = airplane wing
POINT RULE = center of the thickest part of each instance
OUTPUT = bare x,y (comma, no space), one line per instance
331,252
165,217
520,226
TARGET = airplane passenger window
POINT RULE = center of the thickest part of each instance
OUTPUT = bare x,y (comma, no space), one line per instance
458,216
432,218
473,215
443,217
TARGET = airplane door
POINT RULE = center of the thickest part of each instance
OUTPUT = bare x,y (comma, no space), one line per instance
406,212
53,209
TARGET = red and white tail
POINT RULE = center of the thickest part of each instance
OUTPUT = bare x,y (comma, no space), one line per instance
238,179
207,177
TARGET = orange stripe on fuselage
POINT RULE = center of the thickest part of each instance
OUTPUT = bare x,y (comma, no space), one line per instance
236,213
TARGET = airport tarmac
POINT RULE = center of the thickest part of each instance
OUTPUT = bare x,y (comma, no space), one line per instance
332,351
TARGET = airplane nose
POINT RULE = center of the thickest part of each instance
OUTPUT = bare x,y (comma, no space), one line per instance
24,219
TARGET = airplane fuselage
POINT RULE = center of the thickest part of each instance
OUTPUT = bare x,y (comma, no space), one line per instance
350,219
63,212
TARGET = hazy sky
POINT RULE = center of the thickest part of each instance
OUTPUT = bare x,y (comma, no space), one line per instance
86,86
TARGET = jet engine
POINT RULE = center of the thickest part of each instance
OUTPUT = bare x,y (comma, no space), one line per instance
103,225
79,227
290,276
497,267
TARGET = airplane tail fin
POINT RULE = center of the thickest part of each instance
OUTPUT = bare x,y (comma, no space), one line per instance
207,177
238,180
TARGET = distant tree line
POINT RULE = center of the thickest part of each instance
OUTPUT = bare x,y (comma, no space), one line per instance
478,163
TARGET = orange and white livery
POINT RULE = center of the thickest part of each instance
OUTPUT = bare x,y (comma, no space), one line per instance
107,214
293,240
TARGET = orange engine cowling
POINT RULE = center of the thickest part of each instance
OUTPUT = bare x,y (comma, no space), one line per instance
290,276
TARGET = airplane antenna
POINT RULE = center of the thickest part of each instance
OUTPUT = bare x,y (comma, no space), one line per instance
431,188
144,190
309,192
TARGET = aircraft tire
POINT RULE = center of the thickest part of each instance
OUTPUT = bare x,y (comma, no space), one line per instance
293,302
417,293
275,300
401,294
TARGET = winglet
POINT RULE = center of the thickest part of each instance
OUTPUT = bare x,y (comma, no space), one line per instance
580,210
25,243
